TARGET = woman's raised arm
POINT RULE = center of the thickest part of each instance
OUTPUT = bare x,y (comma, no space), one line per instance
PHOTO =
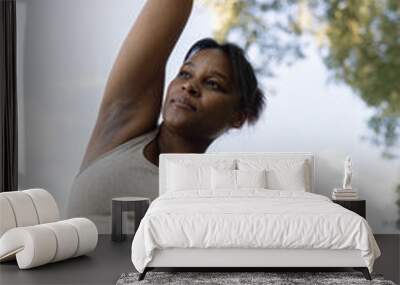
133,95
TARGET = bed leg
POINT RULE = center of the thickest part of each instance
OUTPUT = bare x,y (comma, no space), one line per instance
142,275
364,271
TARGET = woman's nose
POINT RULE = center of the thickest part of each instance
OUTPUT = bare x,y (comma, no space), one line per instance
190,88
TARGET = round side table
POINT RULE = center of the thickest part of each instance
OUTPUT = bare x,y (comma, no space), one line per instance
121,204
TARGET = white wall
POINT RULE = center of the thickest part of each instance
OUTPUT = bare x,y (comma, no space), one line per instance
66,50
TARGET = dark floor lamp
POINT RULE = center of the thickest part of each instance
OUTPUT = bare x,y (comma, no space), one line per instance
8,98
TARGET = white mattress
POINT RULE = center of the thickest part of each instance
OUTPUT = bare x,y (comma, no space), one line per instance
253,218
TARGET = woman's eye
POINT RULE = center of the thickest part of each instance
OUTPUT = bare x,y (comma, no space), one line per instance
183,74
214,85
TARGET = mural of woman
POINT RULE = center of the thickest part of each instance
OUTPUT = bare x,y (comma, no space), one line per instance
215,90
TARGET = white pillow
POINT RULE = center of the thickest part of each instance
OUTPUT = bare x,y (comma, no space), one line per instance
223,179
282,174
237,179
251,178
187,175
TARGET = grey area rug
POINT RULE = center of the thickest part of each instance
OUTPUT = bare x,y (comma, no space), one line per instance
269,278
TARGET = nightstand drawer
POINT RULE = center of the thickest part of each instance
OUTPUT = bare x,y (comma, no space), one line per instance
357,206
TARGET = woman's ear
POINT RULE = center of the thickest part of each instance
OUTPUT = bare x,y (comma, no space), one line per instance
238,119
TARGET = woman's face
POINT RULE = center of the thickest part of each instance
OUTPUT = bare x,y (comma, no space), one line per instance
202,100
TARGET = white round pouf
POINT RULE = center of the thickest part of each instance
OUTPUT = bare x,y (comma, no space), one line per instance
32,246
87,232
45,205
23,208
67,240
40,244
7,220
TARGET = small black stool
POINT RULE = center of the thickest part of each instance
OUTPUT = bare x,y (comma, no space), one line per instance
137,204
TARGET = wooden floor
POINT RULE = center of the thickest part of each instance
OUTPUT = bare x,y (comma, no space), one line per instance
110,260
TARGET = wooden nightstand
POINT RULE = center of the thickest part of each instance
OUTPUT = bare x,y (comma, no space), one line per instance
357,206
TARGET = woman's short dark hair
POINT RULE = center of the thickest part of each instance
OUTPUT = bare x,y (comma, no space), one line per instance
252,100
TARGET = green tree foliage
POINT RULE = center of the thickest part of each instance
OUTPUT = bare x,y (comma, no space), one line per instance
359,41
364,52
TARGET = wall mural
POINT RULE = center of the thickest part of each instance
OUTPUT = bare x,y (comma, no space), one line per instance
96,109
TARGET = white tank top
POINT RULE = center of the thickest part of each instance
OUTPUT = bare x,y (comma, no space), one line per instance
123,171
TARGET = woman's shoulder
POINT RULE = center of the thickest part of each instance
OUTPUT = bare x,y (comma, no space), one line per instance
132,145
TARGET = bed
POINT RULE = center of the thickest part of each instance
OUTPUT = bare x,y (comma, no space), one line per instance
247,210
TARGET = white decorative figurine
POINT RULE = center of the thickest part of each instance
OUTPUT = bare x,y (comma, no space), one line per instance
347,174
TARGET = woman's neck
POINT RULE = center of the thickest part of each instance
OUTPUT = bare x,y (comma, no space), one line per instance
169,141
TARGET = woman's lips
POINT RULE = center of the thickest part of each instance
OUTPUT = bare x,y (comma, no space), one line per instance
182,104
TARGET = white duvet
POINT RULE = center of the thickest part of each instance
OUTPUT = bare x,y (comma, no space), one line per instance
252,218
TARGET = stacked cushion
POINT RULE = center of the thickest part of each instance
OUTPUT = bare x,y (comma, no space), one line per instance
31,232
7,220
27,208
41,244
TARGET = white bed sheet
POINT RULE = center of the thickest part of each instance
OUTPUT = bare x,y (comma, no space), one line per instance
251,218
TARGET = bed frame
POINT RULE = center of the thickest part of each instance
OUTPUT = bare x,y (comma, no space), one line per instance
249,258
